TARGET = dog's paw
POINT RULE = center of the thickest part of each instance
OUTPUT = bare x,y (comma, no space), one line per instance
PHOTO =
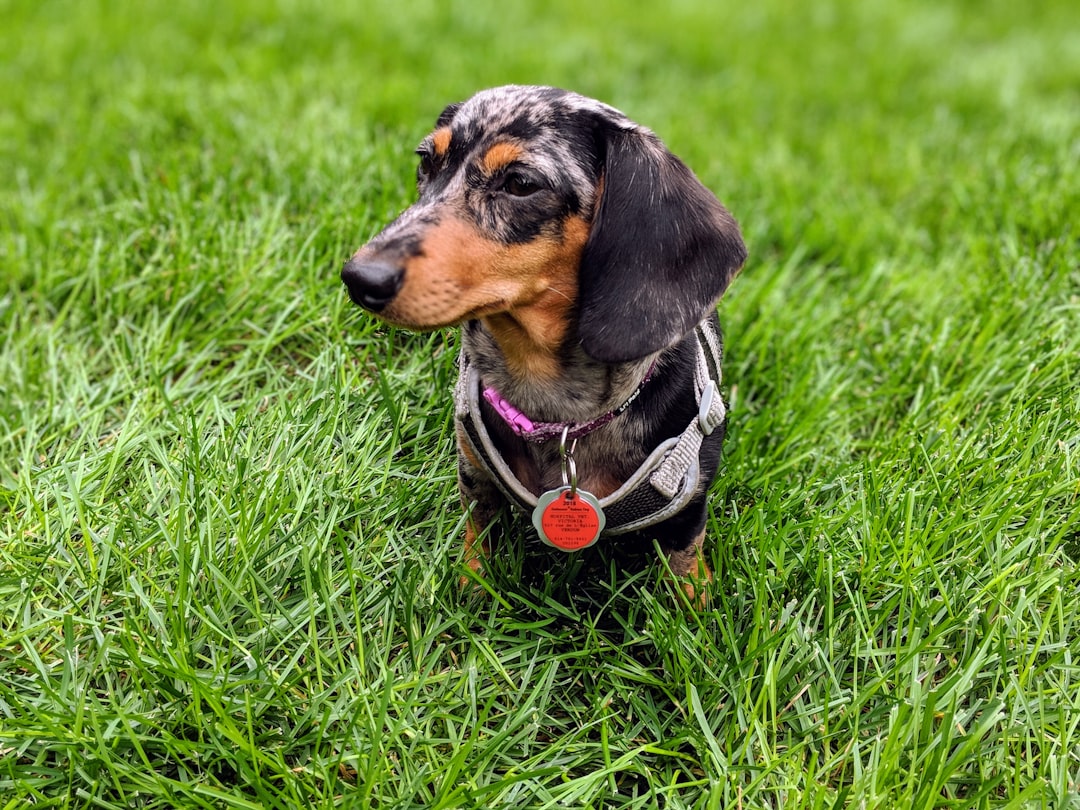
471,582
696,588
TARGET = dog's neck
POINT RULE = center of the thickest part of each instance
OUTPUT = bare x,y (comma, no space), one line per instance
557,383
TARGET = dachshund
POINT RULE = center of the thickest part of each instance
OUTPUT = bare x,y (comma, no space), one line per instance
583,262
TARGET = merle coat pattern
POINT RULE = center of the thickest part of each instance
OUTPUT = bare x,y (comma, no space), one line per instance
574,250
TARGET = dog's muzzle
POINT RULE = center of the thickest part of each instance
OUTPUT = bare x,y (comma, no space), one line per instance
372,284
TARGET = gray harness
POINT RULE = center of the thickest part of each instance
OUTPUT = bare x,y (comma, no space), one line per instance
664,483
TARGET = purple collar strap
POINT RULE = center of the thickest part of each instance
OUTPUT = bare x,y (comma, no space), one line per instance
539,432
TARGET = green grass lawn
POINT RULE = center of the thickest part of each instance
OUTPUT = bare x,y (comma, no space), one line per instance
229,533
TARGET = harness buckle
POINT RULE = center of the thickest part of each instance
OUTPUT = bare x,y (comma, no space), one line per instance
705,420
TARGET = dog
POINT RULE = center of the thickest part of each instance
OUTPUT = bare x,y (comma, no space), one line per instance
583,262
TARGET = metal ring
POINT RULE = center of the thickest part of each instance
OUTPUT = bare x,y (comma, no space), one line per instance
567,463
573,475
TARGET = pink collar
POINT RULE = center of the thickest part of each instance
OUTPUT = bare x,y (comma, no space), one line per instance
539,432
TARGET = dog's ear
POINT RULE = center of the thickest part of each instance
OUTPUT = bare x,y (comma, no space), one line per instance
447,115
661,251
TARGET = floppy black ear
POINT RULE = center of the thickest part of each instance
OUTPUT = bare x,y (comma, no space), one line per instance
661,252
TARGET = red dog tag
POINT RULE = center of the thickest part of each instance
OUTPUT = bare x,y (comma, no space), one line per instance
567,520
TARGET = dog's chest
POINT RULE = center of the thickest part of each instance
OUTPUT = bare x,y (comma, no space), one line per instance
602,465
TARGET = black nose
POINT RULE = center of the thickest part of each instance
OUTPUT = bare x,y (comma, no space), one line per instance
372,285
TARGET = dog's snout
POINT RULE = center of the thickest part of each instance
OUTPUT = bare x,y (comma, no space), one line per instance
372,284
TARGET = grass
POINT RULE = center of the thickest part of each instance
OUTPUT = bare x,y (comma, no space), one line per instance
229,540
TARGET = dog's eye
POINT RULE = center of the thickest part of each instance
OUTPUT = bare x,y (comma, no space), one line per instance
518,185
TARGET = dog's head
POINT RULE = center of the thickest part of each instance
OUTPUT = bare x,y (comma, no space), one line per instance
544,206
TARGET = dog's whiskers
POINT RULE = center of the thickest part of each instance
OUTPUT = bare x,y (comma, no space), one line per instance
560,292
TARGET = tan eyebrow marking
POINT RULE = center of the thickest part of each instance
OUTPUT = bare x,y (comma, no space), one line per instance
440,139
500,155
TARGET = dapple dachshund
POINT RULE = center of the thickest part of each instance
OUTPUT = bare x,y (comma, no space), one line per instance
583,262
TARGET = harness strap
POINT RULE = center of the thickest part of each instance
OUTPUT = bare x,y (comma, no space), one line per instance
664,483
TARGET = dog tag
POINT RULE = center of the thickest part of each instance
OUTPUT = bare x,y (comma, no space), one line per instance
568,520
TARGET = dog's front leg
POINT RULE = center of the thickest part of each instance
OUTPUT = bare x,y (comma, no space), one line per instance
688,565
480,499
